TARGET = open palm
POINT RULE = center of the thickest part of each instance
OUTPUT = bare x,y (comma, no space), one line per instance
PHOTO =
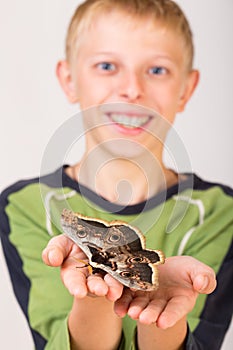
181,279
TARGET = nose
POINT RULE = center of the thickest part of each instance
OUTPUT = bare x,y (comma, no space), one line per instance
131,87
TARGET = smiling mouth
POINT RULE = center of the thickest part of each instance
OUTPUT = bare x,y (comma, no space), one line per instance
129,121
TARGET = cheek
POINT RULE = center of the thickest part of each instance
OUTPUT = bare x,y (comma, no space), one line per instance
166,98
93,92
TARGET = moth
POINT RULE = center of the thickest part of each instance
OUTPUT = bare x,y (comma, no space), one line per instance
116,248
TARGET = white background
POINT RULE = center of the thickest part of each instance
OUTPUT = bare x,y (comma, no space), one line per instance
32,106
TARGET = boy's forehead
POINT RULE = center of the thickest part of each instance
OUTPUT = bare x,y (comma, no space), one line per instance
125,20
105,20
115,28
131,41
126,26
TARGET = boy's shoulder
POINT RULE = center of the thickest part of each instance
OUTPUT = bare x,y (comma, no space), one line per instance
26,198
202,185
210,199
210,195
53,180
31,186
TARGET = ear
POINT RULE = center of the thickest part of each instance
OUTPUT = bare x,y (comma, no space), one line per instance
65,79
189,87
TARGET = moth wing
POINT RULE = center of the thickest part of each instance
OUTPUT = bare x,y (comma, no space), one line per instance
142,277
115,247
83,230
131,237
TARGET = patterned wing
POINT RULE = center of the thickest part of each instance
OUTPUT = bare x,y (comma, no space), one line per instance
116,248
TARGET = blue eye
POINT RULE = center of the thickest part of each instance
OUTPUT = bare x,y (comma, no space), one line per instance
106,66
157,70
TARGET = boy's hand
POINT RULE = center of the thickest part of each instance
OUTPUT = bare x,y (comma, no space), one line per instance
61,251
181,279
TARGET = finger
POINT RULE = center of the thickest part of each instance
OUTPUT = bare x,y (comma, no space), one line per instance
115,288
203,278
122,304
75,280
96,285
137,306
205,283
150,313
76,286
175,310
56,251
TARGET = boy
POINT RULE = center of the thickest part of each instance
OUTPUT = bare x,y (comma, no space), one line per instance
128,63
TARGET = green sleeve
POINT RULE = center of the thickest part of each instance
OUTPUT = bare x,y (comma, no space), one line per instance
48,302
60,338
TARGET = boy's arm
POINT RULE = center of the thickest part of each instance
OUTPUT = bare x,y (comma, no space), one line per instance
37,287
92,321
44,299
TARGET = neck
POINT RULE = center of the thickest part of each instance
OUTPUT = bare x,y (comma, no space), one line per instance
123,181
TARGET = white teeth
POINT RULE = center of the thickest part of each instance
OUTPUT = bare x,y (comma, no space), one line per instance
129,121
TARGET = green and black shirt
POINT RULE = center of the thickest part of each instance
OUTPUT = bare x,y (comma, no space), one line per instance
192,218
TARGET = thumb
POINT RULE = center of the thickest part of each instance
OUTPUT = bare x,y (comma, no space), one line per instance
52,256
58,248
205,283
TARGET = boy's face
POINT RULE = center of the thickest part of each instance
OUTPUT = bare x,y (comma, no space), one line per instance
130,60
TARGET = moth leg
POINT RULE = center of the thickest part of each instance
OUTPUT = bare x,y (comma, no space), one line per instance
85,264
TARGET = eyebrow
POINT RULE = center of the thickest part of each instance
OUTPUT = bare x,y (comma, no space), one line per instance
112,53
102,53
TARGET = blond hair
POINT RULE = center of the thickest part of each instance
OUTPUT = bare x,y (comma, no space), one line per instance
166,12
